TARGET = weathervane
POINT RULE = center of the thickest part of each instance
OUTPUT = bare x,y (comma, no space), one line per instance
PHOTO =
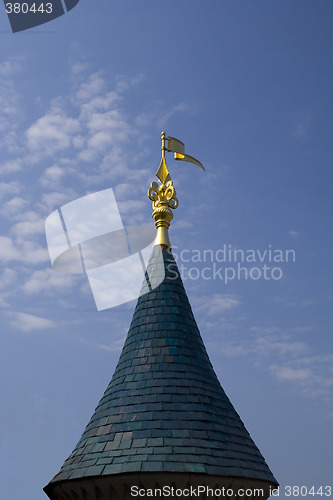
164,197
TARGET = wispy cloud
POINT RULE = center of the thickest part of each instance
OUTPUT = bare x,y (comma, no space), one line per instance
8,188
179,108
83,138
28,322
284,354
312,375
29,252
52,176
47,280
92,87
51,134
14,207
301,130
219,303
86,130
8,251
290,373
32,225
9,98
11,166
7,277
114,346
294,234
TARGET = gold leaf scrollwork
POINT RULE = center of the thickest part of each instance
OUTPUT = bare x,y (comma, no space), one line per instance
170,195
163,195
153,192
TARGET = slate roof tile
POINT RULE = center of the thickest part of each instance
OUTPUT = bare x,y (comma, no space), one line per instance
164,409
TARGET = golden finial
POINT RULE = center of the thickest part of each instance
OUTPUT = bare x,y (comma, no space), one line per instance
164,196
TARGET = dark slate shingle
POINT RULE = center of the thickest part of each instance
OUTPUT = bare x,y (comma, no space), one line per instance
164,402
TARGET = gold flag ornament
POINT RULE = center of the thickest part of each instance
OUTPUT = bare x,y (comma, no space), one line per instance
164,197
177,147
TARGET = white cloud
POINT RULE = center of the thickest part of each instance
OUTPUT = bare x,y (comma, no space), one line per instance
52,176
97,104
288,373
122,190
220,303
86,127
32,253
110,120
13,207
232,350
182,224
267,330
279,347
94,142
8,251
124,82
9,99
287,359
28,228
3,302
8,277
10,166
294,234
55,199
9,108
11,67
105,130
312,375
114,346
301,130
28,252
9,188
133,207
51,133
48,280
78,68
179,108
94,85
11,141
28,322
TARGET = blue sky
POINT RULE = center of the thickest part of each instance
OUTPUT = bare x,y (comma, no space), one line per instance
248,87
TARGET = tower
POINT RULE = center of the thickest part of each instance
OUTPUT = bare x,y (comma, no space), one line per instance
164,421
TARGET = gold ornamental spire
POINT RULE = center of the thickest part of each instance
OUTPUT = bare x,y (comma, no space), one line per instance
164,196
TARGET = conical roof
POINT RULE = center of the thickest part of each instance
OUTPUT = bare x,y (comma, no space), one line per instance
164,409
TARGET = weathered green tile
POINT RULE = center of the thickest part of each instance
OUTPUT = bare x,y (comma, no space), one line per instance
190,467
125,443
139,443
